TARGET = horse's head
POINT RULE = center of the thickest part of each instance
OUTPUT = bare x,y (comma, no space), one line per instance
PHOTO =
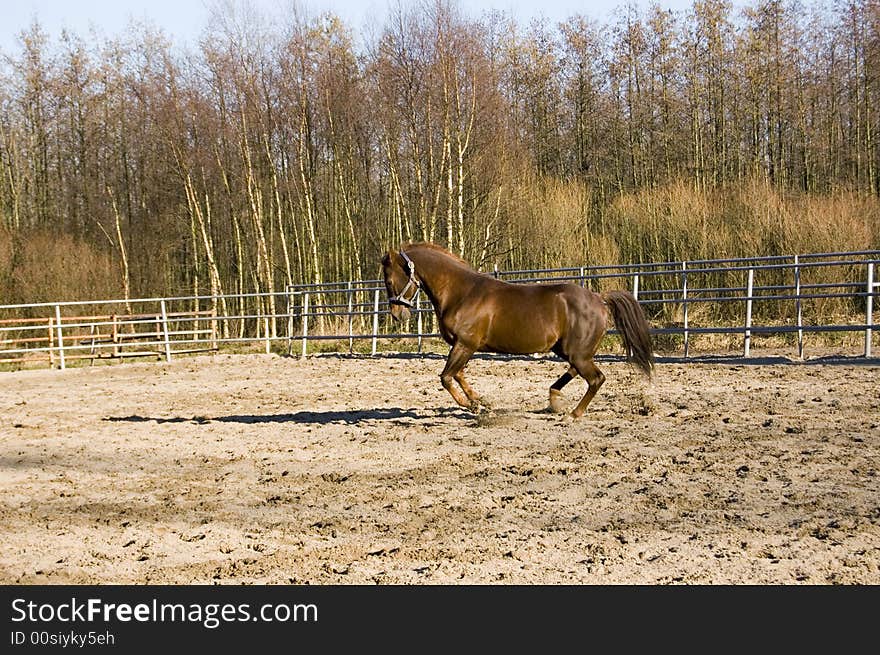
401,283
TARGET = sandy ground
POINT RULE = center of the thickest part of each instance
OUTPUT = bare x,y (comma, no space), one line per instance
342,470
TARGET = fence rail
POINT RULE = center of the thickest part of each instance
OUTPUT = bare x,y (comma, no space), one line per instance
799,294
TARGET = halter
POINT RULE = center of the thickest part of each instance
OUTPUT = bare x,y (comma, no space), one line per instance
412,282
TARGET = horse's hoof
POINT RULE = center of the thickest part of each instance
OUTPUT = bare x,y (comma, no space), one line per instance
555,404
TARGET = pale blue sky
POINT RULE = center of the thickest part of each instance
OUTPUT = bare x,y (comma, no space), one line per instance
183,20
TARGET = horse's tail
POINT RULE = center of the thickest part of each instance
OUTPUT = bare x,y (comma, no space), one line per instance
630,321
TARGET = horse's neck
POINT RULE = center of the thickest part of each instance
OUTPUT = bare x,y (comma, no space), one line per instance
440,274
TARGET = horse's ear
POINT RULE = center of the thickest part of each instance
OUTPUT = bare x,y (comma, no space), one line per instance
386,260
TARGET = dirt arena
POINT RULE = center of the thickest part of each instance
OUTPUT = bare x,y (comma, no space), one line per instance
351,470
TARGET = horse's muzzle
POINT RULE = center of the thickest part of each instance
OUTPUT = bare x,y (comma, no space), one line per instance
400,313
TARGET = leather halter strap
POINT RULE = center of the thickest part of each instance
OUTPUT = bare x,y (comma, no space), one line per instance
400,298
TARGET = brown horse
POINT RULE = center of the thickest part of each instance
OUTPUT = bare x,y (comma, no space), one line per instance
478,313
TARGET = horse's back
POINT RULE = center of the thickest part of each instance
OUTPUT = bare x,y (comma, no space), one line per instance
527,318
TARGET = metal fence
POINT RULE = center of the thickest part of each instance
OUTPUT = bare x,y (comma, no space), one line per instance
784,295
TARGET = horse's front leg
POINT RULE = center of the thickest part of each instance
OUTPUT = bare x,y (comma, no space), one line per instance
455,362
474,397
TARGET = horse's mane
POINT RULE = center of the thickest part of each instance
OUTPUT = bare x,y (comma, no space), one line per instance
433,246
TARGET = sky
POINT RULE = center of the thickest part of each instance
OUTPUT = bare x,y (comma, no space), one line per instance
183,20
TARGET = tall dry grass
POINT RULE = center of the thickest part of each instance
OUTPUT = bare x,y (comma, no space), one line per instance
556,223
561,224
39,266
678,222
549,226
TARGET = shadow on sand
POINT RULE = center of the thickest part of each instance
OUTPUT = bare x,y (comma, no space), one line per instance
348,417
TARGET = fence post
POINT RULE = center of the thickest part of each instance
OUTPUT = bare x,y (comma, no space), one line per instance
350,319
583,277
115,336
636,286
289,320
375,320
92,349
747,341
196,323
215,327
419,323
869,310
51,342
684,300
305,324
165,331
59,336
266,320
798,308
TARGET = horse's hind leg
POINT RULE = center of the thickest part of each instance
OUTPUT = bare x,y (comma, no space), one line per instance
594,377
556,390
455,362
